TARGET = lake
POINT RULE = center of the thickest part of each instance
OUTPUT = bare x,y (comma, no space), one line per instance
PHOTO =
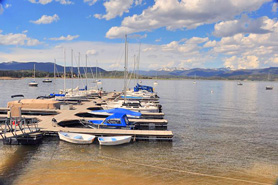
223,134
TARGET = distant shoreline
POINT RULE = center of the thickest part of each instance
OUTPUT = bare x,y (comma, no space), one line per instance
9,78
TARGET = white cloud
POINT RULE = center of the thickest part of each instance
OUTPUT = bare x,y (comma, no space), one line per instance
98,16
138,2
210,44
46,19
8,6
17,39
244,25
184,46
247,62
274,7
44,2
180,14
91,52
115,8
107,54
64,2
137,36
69,37
158,40
90,2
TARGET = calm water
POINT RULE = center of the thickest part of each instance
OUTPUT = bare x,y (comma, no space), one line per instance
220,129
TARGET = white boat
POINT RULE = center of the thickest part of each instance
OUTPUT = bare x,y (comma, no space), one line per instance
268,87
76,137
33,83
47,80
114,140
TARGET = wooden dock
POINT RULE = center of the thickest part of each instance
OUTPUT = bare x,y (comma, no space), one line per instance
47,126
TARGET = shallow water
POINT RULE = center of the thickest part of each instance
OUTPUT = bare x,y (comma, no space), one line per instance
221,130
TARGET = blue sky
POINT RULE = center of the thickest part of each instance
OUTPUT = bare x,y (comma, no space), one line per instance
173,33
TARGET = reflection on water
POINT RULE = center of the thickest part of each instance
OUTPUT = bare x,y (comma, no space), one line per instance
231,132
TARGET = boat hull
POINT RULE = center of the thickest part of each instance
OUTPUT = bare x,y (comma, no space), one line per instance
33,84
116,140
69,137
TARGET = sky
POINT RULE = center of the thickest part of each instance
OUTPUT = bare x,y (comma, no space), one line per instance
161,34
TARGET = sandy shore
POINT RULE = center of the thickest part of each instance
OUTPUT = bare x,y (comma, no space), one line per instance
8,78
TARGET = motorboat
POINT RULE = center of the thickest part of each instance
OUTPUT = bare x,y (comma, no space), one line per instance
109,112
76,138
33,84
133,106
116,120
47,80
114,140
268,87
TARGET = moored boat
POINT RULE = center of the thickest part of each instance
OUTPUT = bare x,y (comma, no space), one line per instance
33,84
47,80
268,87
76,137
114,140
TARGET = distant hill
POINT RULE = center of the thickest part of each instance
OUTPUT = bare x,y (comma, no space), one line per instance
200,73
221,73
45,67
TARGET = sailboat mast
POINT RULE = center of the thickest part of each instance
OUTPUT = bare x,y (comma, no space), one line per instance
72,69
86,71
54,75
138,63
125,72
64,71
34,71
79,75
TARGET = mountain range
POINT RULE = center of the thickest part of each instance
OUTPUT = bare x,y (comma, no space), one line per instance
45,67
222,73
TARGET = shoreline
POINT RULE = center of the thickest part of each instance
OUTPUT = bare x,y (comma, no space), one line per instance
9,78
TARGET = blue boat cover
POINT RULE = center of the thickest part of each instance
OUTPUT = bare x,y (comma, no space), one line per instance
62,95
121,111
85,89
132,97
115,120
143,87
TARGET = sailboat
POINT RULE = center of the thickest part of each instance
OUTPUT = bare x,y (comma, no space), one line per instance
194,82
155,82
33,83
268,87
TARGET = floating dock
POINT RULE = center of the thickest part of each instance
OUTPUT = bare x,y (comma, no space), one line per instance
47,126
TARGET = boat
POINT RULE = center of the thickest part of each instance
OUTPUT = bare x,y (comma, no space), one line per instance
110,112
116,120
194,82
114,140
76,138
268,87
239,83
47,80
33,83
